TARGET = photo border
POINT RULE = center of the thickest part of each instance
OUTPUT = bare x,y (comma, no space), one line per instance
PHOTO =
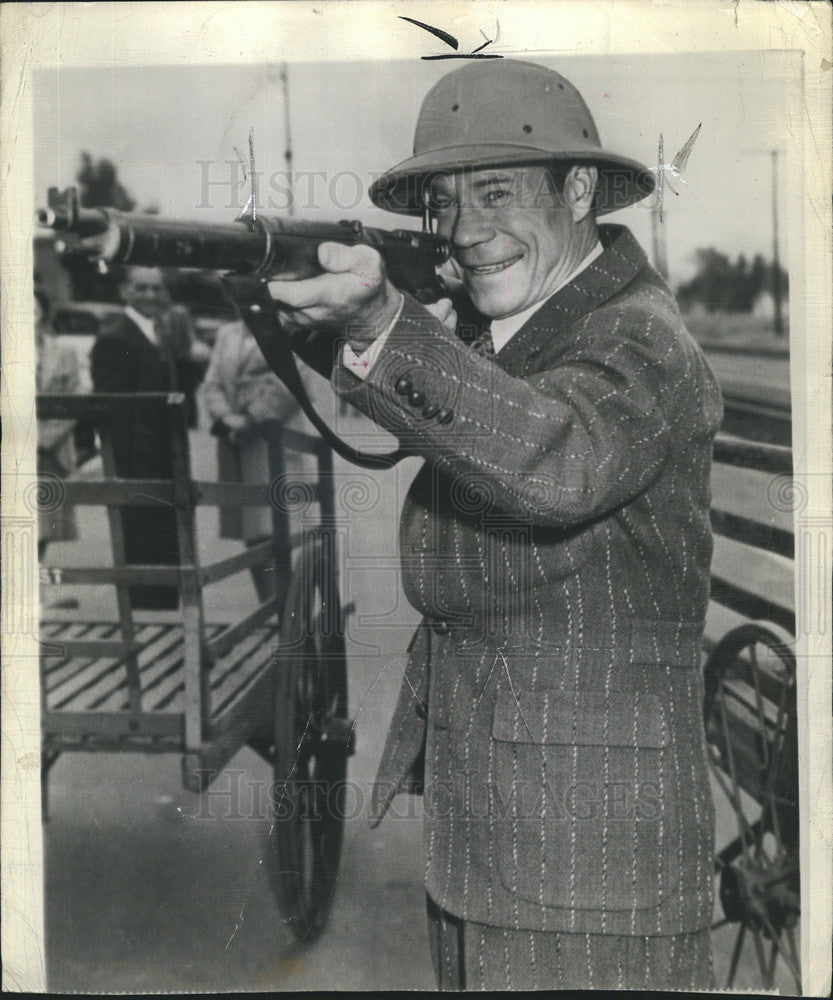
36,36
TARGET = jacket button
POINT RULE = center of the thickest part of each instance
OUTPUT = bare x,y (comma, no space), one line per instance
421,709
445,417
416,398
441,628
431,410
403,386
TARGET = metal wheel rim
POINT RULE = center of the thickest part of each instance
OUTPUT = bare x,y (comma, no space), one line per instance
309,787
750,678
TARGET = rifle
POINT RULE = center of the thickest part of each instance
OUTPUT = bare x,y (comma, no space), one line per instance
250,251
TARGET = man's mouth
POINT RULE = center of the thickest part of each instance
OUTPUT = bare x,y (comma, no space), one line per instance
501,265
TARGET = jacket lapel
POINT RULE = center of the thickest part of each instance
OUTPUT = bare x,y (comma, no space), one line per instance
621,261
152,357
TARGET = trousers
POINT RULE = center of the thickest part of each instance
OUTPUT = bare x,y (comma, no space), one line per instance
473,956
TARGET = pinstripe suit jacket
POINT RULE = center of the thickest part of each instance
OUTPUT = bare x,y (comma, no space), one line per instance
557,541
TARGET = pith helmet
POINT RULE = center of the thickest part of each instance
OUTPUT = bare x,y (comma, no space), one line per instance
502,112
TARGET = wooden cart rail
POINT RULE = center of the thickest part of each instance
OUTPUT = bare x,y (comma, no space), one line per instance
204,690
752,520
750,710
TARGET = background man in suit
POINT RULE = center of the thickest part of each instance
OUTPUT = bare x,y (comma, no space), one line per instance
133,358
557,541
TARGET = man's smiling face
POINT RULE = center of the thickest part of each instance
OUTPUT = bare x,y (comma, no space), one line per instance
144,289
513,237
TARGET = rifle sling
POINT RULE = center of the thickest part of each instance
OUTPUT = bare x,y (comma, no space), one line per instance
258,312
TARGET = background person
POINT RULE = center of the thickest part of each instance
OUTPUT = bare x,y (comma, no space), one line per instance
57,372
134,358
190,355
242,395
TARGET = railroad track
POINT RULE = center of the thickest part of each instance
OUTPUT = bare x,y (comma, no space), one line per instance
759,413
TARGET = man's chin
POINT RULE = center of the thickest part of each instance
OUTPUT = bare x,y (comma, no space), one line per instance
495,306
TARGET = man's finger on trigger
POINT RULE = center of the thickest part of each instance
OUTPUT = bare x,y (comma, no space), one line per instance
451,275
440,309
446,308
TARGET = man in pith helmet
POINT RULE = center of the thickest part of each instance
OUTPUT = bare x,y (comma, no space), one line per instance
556,540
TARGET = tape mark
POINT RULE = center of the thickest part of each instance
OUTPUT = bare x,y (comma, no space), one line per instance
453,43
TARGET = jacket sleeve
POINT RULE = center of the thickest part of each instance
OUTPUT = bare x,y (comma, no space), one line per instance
111,368
561,446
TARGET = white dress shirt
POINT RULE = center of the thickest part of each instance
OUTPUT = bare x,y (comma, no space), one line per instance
146,325
502,330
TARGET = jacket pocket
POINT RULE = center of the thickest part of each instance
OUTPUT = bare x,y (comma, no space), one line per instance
586,790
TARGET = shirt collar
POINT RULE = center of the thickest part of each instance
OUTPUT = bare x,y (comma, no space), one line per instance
503,330
146,325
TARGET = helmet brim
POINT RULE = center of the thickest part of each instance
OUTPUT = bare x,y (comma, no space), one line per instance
622,181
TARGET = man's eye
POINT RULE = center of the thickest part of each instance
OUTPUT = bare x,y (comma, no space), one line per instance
496,196
441,202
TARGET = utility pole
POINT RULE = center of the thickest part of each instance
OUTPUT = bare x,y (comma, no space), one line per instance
287,153
657,223
658,235
776,263
777,284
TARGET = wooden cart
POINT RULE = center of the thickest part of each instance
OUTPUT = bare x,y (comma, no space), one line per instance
275,680
750,701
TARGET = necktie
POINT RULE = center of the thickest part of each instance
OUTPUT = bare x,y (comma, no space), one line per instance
483,344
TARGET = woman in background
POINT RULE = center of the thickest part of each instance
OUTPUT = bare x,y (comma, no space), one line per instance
242,395
56,371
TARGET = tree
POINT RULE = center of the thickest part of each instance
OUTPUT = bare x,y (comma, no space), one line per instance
100,186
722,286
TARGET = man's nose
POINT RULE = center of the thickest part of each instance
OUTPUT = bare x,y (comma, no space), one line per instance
470,228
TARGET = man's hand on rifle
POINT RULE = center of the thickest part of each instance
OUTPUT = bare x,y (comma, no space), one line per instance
353,296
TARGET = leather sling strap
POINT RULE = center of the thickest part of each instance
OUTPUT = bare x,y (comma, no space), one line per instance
258,311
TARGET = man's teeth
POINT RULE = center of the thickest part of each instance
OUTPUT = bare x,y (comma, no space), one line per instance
494,268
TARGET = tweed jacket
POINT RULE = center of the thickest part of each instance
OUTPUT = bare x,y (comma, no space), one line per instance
557,541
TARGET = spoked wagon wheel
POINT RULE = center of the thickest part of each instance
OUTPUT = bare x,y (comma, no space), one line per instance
313,739
751,733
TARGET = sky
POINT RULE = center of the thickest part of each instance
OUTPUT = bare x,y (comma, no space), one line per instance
178,133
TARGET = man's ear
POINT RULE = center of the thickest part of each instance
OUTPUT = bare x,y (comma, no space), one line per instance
579,188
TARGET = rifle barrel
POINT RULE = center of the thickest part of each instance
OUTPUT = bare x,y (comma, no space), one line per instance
155,242
270,246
